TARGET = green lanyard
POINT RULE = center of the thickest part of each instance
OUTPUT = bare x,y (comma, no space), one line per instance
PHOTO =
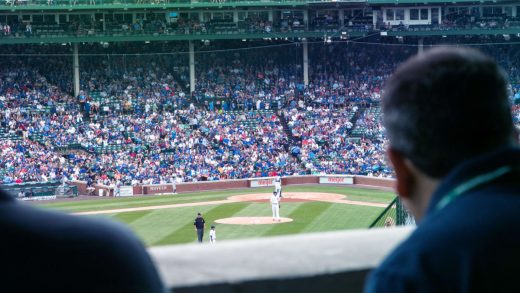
470,184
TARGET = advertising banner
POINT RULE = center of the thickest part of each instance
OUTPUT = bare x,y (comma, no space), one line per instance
262,182
336,179
126,191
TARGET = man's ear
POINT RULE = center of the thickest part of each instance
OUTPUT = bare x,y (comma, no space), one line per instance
405,176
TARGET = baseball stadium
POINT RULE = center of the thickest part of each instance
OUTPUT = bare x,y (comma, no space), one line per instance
262,116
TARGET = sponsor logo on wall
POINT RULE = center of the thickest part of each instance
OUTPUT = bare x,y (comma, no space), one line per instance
126,191
262,182
46,197
159,188
336,180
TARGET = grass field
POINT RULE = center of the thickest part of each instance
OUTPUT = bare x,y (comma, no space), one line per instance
175,225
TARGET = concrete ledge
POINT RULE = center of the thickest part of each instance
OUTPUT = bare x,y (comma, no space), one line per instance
319,262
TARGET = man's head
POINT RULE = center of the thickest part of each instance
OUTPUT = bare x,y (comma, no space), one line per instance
442,108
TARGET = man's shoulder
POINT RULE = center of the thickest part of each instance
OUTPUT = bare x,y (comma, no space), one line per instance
403,267
72,246
437,255
54,228
400,255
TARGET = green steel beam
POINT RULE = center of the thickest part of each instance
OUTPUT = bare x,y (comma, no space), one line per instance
132,6
454,32
423,2
72,5
238,36
75,5
151,38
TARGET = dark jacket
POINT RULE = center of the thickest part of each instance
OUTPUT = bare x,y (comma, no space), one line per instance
199,223
44,251
470,244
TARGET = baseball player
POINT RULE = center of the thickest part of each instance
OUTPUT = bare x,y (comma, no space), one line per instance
173,180
275,206
278,186
212,235
118,188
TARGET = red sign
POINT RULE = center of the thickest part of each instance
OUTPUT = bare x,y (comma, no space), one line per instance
337,180
265,182
262,182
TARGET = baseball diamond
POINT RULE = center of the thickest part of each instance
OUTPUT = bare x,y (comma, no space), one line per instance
167,219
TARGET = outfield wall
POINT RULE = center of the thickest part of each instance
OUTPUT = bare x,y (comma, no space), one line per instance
374,181
241,184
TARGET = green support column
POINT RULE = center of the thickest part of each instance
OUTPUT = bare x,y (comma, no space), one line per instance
192,67
76,70
305,63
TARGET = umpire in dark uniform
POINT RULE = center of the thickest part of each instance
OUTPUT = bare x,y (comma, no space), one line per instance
199,226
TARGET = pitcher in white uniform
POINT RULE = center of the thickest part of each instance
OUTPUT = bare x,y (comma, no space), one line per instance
275,206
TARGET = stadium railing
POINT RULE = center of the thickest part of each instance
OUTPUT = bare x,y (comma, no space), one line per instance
37,191
395,214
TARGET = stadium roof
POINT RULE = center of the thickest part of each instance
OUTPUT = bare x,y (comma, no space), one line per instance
132,6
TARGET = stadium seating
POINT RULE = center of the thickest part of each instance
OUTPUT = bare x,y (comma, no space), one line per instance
250,116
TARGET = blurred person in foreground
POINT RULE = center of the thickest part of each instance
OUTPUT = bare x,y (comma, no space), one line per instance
455,153
46,251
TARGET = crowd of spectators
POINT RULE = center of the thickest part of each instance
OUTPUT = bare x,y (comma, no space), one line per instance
133,121
27,161
251,78
154,141
259,149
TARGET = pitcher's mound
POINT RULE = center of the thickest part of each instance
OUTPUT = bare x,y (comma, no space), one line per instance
252,220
